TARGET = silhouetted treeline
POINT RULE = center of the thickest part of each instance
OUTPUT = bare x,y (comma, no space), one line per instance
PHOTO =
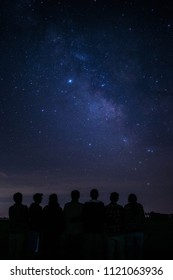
89,230
159,216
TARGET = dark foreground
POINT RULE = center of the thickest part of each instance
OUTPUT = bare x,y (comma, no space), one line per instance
158,240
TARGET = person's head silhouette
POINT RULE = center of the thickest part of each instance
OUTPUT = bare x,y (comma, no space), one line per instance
37,197
53,199
132,198
94,193
17,197
114,196
75,195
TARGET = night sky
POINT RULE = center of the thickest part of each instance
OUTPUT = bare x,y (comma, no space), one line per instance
86,95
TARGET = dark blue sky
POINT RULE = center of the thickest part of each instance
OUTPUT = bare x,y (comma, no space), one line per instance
86,95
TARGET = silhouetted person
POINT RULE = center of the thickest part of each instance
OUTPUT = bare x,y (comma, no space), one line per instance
94,226
53,223
73,213
35,224
114,230
18,217
134,219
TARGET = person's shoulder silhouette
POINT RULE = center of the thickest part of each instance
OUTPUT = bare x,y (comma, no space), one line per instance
73,213
94,213
53,215
18,214
35,212
114,197
74,207
94,202
134,221
134,214
114,215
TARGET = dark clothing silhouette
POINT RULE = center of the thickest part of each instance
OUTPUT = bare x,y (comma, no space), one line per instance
94,216
134,221
114,230
35,224
53,219
18,217
73,213
94,228
53,227
114,219
134,217
35,217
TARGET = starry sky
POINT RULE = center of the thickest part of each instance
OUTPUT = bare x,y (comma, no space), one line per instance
86,95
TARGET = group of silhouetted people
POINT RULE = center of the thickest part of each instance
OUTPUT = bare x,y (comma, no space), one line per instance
87,230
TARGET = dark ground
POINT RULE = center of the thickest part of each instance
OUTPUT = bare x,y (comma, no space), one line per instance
158,239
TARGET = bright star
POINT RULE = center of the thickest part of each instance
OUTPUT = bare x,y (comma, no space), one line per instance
70,81
150,150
